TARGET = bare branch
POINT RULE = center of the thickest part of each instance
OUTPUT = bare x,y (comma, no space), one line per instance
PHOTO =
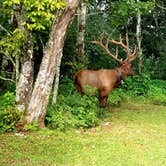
7,79
164,8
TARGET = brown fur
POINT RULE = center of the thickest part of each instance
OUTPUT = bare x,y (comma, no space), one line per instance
104,80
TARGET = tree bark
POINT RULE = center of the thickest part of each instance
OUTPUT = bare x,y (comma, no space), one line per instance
39,99
17,69
139,40
24,80
56,81
81,18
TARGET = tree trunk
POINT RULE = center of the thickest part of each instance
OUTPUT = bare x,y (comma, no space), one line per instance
17,70
1,57
139,40
57,74
24,80
39,99
81,29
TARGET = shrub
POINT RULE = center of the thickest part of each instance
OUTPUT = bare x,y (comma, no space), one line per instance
137,85
7,100
66,86
74,110
34,126
8,117
90,91
157,92
59,117
115,97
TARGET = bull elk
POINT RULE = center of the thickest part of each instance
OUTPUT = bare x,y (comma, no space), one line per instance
105,80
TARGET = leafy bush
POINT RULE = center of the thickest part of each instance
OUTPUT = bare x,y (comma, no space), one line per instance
8,118
6,100
142,85
9,115
66,86
60,118
137,85
115,97
157,92
90,91
31,127
74,110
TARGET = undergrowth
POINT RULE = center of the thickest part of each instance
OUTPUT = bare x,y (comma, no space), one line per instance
9,115
74,110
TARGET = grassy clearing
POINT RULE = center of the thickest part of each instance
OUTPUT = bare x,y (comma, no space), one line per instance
133,134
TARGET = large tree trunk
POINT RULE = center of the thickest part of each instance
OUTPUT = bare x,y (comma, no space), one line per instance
39,99
24,80
81,20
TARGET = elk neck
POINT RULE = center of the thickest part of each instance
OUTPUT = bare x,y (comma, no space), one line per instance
119,75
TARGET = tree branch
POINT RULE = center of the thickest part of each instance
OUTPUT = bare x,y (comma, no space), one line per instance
160,6
7,79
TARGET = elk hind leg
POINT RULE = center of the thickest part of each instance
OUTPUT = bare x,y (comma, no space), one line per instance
79,88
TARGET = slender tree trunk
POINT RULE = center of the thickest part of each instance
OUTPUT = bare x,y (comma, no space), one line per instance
17,71
56,81
39,99
81,29
139,40
24,80
1,57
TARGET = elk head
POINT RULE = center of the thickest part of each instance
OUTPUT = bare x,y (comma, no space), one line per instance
124,64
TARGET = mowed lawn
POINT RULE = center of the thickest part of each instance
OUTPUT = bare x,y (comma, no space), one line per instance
133,135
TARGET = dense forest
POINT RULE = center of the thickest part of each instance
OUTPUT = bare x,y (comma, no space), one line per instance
44,43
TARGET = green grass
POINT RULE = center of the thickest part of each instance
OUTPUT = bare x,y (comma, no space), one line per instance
134,134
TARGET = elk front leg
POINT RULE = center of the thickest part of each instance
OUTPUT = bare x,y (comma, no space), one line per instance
103,96
103,101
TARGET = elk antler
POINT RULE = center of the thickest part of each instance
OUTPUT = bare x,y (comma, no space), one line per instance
130,56
105,47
